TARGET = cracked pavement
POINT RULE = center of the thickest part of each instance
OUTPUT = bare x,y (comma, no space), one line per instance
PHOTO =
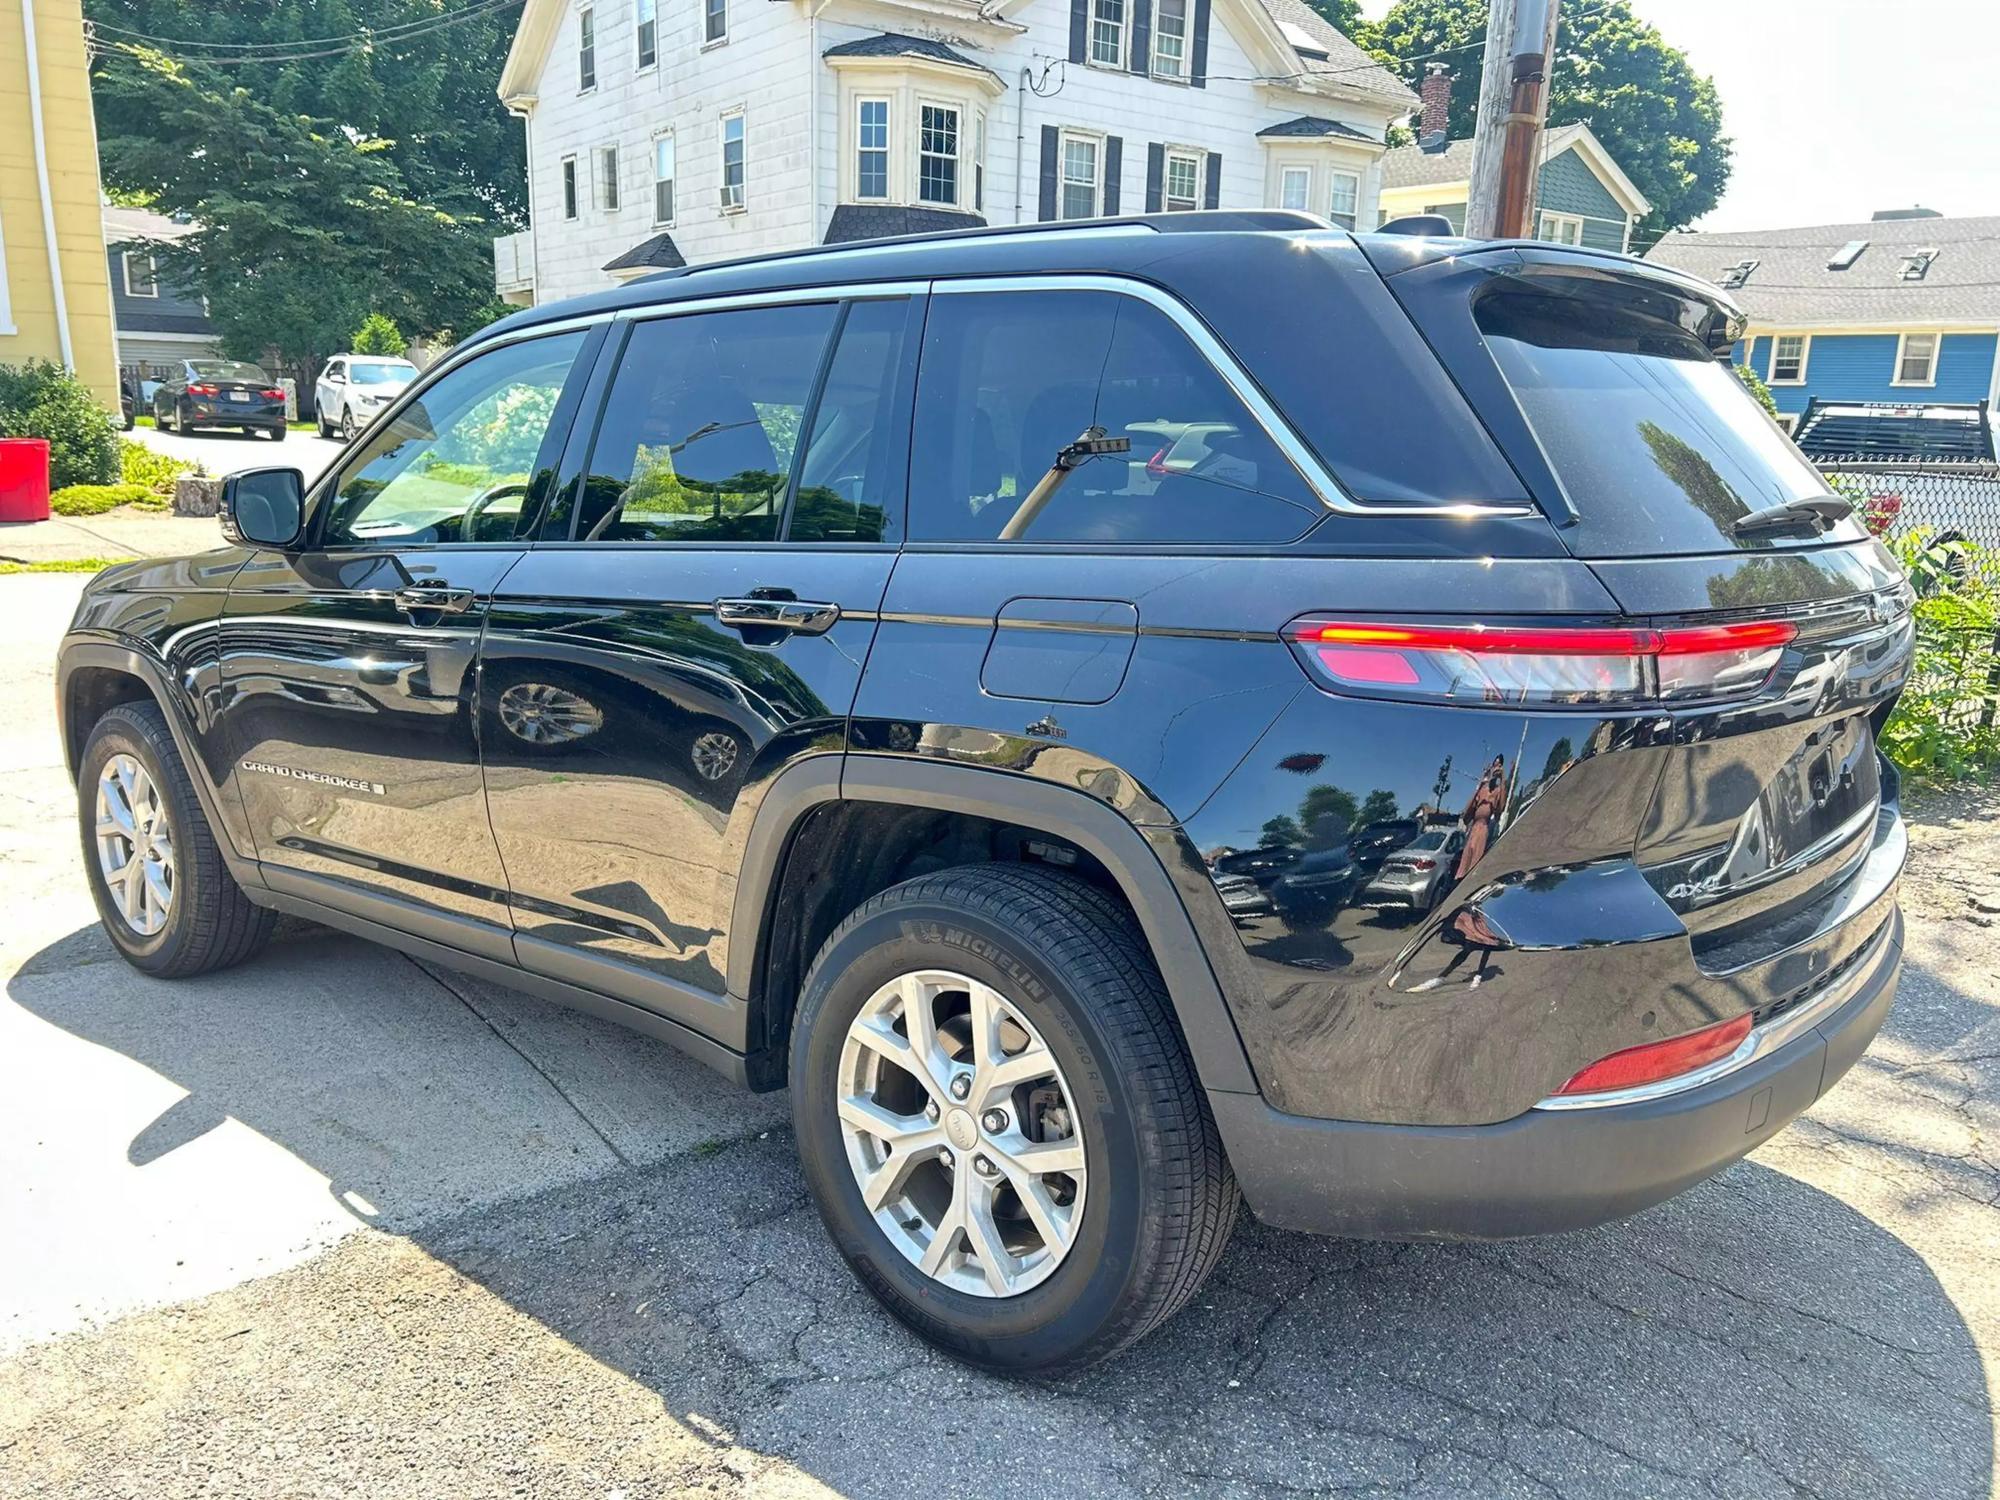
336,1224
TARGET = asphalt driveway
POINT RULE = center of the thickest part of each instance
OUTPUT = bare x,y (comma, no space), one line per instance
337,1224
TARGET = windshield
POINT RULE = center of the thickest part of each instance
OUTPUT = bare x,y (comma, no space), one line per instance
389,372
1657,443
228,369
1429,842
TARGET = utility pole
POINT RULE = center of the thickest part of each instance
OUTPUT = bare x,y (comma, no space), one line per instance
1513,102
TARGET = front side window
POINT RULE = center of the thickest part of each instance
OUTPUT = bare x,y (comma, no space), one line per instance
937,155
586,49
1009,379
1916,359
1107,32
734,167
607,178
142,277
646,23
569,187
459,463
1295,188
1170,18
871,136
715,20
1788,359
663,179
1182,187
1345,199
1079,177
701,424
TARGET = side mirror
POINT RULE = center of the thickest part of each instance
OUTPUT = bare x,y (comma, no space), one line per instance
263,507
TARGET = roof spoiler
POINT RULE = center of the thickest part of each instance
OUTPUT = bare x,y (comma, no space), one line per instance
1423,224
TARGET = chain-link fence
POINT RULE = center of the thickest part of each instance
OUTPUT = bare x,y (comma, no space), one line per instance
1949,499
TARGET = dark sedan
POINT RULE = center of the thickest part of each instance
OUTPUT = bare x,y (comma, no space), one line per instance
220,393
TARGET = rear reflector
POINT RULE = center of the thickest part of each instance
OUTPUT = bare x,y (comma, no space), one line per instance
1550,666
1660,1060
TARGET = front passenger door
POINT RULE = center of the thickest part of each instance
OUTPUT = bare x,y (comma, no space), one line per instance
348,679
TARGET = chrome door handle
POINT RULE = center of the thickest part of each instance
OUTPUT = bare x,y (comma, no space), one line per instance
800,616
434,600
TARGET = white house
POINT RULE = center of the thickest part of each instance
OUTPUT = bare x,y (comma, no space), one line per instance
672,132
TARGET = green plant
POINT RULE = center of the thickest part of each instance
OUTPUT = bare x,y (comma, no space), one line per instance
95,499
378,334
63,565
1943,728
42,399
138,464
1754,383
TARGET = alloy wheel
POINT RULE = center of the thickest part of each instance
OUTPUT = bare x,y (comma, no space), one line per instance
543,714
347,427
135,849
714,755
962,1133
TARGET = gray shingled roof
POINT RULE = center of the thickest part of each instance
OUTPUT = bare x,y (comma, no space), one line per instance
1344,63
656,254
895,44
1411,166
1315,127
1791,283
880,221
123,226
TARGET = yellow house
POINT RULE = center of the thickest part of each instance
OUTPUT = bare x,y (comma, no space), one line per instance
55,290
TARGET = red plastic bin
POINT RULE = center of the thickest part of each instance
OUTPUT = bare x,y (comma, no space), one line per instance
24,479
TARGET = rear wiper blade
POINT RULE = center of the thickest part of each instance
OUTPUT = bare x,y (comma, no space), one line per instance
1818,515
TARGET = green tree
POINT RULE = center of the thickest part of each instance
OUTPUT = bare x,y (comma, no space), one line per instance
1345,15
1377,807
379,335
1754,383
1657,117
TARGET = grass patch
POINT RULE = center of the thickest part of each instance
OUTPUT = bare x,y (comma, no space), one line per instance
95,499
64,565
142,421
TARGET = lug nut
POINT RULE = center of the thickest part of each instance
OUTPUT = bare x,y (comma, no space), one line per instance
982,1166
961,1086
931,1111
995,1121
945,1157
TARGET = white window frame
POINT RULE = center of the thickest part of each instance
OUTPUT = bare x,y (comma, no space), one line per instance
887,148
1064,138
671,180
586,49
1185,155
125,259
1304,177
605,188
711,10
570,189
1122,40
957,157
1179,73
979,161
1771,375
740,115
1930,368
1334,212
645,13
1549,226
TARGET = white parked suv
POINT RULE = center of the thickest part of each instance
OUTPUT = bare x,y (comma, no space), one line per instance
354,387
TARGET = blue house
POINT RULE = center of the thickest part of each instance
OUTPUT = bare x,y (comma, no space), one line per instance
156,323
1904,308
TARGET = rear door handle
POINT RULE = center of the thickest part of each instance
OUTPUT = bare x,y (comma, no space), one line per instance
800,616
434,600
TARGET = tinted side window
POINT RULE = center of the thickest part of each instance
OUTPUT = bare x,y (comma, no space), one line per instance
1009,378
701,424
851,480
455,464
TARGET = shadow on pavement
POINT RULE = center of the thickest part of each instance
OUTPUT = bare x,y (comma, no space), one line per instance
1756,1336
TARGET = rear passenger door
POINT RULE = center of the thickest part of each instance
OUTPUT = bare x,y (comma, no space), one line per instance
694,618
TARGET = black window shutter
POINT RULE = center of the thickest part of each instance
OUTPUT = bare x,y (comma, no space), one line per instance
1156,176
1141,60
1198,72
1114,161
1211,190
1051,149
1079,28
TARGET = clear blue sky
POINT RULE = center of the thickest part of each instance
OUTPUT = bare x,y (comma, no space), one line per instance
1841,107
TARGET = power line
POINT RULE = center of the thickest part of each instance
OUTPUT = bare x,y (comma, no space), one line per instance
284,52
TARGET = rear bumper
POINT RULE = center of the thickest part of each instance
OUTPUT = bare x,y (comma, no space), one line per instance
1546,1170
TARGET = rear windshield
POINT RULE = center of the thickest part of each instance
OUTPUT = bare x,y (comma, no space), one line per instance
387,373
229,369
1657,443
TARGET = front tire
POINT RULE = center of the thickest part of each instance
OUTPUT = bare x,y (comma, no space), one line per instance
163,892
348,427
1074,1194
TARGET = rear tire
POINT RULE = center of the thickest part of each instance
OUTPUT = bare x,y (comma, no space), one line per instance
275,434
207,922
1153,1207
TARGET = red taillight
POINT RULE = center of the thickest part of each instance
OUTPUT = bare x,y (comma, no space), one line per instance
1540,665
1423,864
1657,1060
272,395
204,390
1157,465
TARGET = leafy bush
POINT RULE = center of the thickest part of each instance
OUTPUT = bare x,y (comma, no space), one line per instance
379,335
150,468
95,499
1755,384
1944,726
42,399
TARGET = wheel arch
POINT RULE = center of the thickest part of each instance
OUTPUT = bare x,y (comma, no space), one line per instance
777,921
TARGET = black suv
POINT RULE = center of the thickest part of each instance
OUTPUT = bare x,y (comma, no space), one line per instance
976,680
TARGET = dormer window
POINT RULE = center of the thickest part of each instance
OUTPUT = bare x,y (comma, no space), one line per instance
1916,263
1737,274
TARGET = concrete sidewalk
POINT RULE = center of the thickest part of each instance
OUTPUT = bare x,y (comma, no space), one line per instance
114,536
